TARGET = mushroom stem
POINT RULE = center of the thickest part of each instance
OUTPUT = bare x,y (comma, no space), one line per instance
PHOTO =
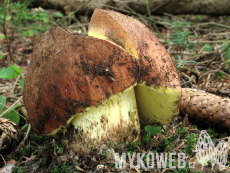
114,121
162,100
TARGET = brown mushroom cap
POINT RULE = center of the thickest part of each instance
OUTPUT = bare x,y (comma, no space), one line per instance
70,72
156,66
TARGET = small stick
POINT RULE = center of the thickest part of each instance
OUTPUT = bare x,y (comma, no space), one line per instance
15,83
11,107
175,149
23,141
108,168
3,159
54,147
181,128
168,169
136,169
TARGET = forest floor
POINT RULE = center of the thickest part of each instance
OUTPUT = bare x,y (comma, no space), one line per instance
200,49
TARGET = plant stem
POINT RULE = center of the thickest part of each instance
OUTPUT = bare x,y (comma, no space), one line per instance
147,6
4,27
10,38
20,13
72,13
154,24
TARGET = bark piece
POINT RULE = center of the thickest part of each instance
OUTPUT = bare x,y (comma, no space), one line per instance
209,7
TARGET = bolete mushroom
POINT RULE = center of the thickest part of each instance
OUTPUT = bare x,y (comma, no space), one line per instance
82,86
158,89
85,82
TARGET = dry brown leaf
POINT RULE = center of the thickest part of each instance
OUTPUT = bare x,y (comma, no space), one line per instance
8,168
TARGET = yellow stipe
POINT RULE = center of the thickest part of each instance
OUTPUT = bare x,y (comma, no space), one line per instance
156,105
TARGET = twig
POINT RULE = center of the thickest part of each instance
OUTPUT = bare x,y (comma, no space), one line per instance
78,168
202,55
54,147
54,23
176,17
211,42
189,81
201,50
11,107
136,169
78,25
108,168
3,159
23,117
209,23
214,71
181,128
175,149
23,141
168,169
138,148
218,55
147,6
227,61
72,13
217,34
197,42
15,83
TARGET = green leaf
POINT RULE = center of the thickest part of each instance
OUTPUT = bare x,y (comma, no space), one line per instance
46,20
179,58
58,14
25,127
26,33
198,17
13,116
208,48
8,17
16,73
2,36
2,102
21,83
151,130
31,32
190,62
7,72
17,69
